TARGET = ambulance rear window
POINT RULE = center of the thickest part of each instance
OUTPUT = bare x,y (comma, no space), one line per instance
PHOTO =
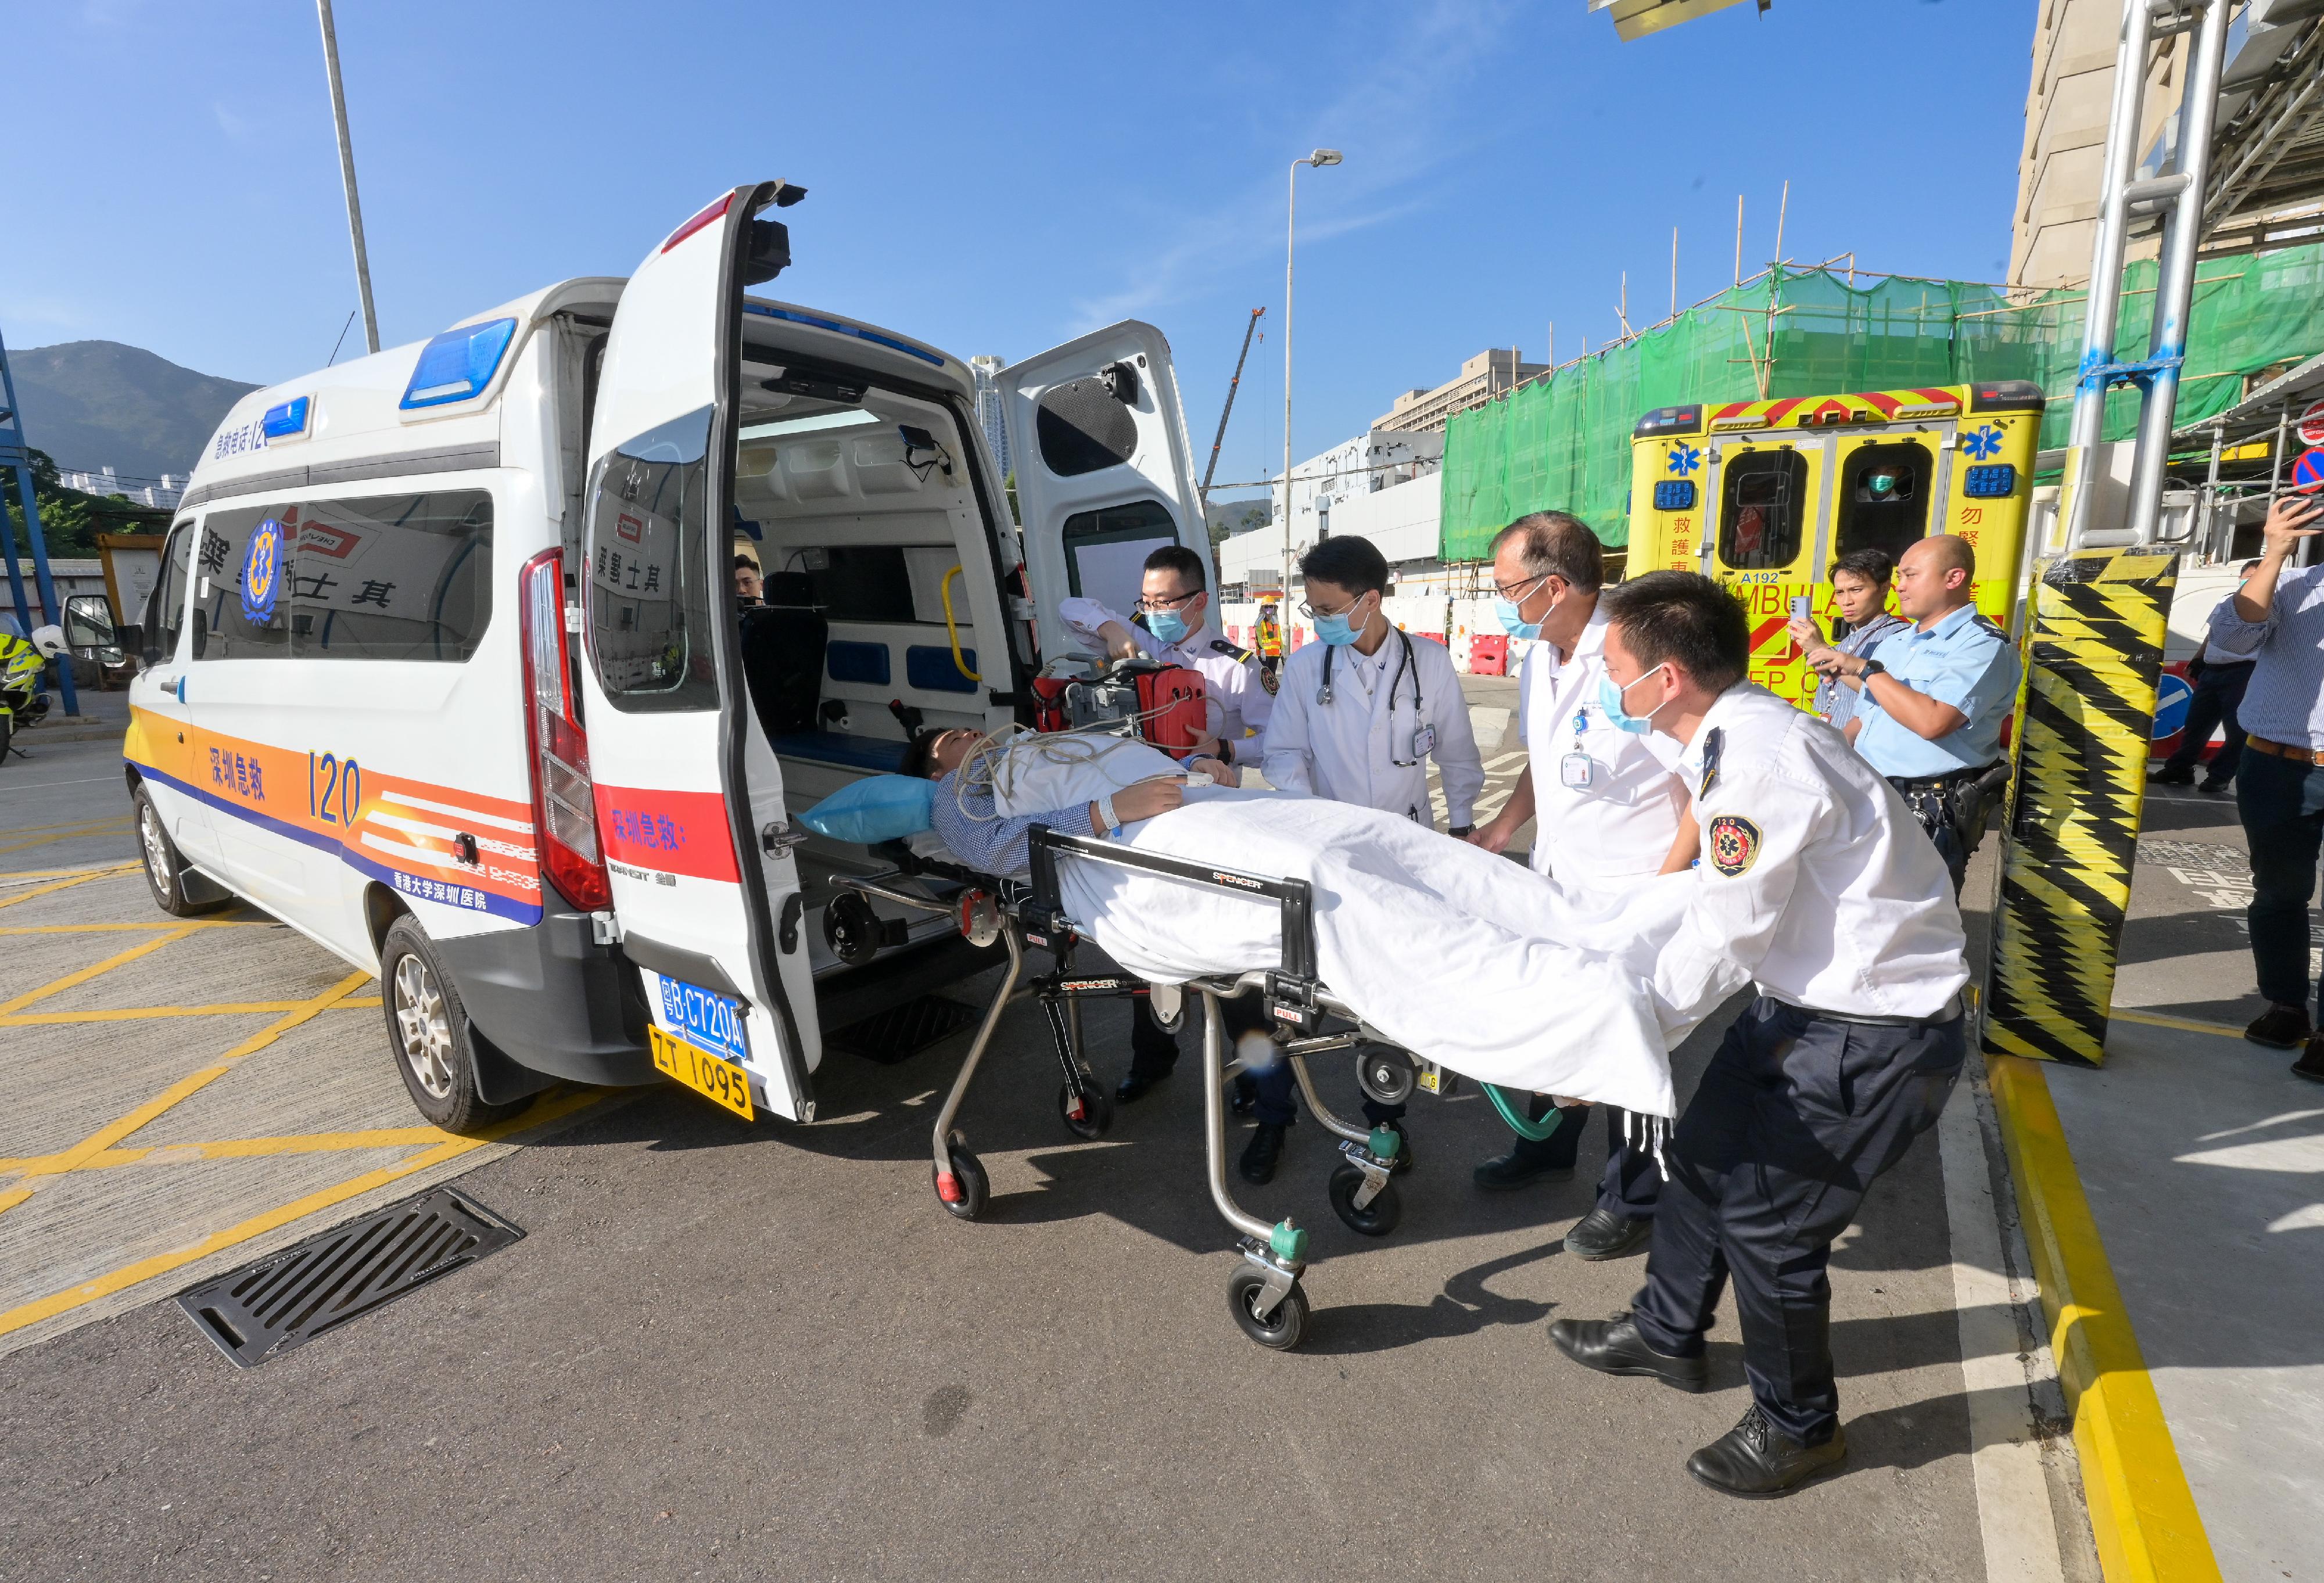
659,580
1884,498
1763,503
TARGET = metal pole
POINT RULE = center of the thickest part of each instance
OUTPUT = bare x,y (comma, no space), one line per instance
2218,552
20,454
1290,231
1739,239
347,173
2174,279
2102,304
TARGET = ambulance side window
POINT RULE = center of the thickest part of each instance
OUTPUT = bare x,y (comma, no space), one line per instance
1764,498
234,619
1884,498
658,583
165,612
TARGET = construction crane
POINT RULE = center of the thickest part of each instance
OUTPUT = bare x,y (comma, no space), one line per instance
1211,471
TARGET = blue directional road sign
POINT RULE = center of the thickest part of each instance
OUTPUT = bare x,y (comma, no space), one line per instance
2173,693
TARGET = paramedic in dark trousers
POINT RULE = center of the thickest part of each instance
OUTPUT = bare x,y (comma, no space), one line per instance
1934,696
2277,620
2220,680
1173,624
1360,715
1815,889
1607,815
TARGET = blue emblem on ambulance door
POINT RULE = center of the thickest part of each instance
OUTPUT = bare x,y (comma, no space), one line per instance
262,572
1685,458
1983,441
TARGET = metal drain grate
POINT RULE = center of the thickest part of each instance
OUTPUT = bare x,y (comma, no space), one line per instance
903,1030
264,1309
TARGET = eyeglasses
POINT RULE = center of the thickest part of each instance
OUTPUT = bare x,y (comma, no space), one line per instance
1511,591
1171,602
1309,613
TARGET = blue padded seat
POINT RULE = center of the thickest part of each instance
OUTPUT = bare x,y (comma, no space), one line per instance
931,669
849,661
877,754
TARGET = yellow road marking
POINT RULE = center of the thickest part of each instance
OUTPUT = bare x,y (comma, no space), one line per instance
65,884
246,1148
84,824
9,876
113,1132
28,1019
119,959
2143,1515
124,928
63,832
2185,1024
549,1108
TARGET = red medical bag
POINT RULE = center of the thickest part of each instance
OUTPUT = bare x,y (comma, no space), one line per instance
1171,711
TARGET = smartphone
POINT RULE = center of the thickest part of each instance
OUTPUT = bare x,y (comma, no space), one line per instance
1801,604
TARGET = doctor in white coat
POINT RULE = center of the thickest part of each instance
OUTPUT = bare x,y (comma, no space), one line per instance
1359,718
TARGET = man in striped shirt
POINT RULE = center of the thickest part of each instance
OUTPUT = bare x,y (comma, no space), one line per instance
2277,619
1859,586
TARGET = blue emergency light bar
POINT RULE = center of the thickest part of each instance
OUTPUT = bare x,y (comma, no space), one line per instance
1992,481
1675,494
458,363
288,419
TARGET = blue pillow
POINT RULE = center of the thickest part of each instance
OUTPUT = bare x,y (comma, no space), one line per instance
878,807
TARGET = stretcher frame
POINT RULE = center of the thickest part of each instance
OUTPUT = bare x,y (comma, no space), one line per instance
1265,1293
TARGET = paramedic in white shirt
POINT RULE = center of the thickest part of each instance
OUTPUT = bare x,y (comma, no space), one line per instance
1607,815
1817,886
1358,716
1173,624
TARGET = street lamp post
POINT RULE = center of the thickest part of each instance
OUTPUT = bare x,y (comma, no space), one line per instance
1319,159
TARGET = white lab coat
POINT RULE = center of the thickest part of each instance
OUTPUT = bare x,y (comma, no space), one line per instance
1238,697
1344,750
1619,827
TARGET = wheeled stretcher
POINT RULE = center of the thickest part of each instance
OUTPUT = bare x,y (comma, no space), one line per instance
1264,1293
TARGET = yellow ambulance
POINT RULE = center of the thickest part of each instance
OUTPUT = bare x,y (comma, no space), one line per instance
1765,495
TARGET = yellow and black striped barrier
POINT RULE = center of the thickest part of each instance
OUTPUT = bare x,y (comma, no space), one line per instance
2085,726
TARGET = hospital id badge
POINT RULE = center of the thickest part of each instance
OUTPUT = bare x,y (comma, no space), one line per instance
1423,741
1574,770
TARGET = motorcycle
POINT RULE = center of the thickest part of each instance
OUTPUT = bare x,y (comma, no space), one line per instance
24,693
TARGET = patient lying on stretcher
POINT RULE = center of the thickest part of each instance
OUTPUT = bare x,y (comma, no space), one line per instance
1455,954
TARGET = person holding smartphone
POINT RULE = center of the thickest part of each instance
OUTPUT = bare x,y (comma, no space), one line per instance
1859,588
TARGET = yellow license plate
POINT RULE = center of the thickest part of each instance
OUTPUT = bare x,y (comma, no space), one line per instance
704,1073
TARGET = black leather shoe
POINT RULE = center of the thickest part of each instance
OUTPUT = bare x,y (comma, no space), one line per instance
2166,775
1526,1163
1615,1347
1242,1096
2310,1064
1139,1084
1603,1234
1261,1154
2214,788
2280,1027
1758,1461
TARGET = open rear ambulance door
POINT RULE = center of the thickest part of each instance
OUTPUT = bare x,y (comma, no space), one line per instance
703,911
1105,473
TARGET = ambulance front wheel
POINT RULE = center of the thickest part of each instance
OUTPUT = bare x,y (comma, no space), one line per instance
427,1028
1281,1329
1088,1114
1375,1218
964,1190
175,890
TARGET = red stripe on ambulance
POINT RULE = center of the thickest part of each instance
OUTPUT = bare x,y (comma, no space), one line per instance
672,831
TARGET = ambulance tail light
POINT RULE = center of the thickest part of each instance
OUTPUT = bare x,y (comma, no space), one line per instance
564,801
2008,395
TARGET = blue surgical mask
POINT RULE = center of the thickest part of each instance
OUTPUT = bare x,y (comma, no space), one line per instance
1168,626
1609,700
1334,631
1513,621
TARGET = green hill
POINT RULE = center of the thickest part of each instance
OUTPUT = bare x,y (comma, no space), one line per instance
93,404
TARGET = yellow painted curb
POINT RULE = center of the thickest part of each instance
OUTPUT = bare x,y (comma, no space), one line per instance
2143,1515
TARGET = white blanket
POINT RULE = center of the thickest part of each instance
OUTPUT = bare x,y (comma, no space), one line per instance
1457,955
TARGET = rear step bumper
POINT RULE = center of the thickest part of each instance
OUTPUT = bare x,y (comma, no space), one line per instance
554,1003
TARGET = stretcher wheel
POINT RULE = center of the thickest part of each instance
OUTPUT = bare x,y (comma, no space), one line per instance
1385,1075
1375,1218
1279,1331
1096,1109
970,1191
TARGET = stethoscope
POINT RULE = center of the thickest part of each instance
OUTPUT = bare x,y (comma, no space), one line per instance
1404,666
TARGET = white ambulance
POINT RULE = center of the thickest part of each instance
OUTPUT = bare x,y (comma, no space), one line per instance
445,667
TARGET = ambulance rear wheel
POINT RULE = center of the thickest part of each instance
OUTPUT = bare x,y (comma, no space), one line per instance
1375,1218
1096,1109
428,1028
964,1190
165,871
1280,1330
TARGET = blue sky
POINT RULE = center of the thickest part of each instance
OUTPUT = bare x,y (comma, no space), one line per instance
997,178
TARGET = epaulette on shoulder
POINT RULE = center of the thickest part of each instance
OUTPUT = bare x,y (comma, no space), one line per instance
1221,645
1990,625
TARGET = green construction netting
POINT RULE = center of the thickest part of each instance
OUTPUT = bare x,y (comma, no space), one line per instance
1564,443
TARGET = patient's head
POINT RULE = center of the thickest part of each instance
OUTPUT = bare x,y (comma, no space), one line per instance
934,754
